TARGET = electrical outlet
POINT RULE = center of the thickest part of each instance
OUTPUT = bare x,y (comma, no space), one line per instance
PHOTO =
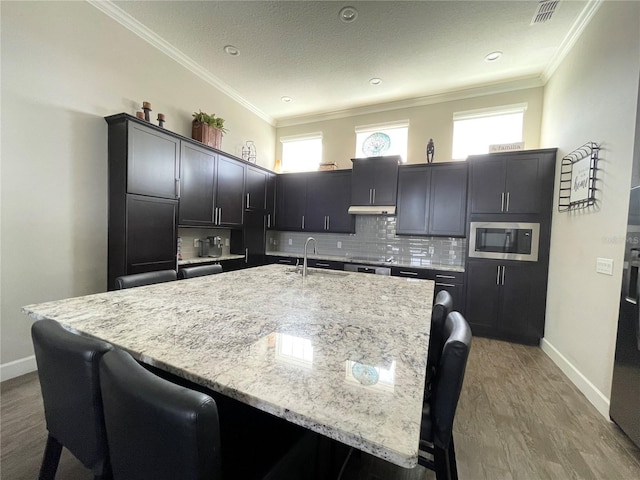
339,244
196,242
604,266
290,242
226,242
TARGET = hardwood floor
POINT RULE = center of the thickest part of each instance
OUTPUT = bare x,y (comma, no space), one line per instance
519,418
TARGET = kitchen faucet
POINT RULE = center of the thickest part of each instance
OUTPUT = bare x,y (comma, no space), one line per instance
304,263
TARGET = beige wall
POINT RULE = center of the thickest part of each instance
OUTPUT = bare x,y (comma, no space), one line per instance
425,122
593,96
66,65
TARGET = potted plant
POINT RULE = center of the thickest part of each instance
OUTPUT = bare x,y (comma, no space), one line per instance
208,129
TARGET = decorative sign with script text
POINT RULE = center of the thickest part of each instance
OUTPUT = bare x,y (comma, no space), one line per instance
580,180
506,147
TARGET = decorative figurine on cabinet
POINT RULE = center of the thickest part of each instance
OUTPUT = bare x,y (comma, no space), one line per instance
431,151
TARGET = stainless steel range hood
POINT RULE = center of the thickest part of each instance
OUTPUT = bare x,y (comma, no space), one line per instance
372,210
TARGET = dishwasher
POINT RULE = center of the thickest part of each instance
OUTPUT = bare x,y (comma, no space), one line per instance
352,267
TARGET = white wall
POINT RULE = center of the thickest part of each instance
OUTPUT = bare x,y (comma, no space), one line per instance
66,65
425,122
592,96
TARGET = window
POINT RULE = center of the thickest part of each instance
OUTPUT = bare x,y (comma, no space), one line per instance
382,139
301,153
475,130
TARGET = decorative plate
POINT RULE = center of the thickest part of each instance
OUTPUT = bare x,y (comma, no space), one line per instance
376,144
365,374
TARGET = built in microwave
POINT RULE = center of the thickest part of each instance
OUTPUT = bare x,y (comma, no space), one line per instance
504,241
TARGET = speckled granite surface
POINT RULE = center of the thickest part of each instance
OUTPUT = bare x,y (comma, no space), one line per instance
343,354
450,268
197,260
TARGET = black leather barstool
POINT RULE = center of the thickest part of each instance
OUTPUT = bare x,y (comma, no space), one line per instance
156,429
68,368
199,271
147,278
437,451
441,307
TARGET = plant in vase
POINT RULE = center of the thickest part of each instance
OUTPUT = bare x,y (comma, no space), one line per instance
208,129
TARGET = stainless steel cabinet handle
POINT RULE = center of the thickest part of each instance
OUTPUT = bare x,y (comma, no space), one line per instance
247,200
503,274
268,220
178,187
328,222
318,264
302,222
288,262
508,195
445,276
402,272
374,195
502,202
246,255
498,276
445,285
370,195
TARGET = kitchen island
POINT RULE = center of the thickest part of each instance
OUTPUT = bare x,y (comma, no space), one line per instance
342,354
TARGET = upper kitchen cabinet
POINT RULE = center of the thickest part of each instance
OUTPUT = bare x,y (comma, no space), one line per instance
432,199
270,203
314,202
256,189
229,192
291,199
153,168
212,187
374,181
512,182
328,200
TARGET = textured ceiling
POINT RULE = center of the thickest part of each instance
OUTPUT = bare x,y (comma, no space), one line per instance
303,50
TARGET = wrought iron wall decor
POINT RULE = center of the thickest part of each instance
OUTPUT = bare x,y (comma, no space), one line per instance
578,178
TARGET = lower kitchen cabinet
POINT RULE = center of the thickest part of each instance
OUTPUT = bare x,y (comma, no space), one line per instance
506,299
146,241
451,281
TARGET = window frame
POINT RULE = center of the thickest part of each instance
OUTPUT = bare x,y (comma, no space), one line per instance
300,138
381,127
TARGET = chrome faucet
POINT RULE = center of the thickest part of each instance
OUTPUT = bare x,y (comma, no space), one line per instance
304,263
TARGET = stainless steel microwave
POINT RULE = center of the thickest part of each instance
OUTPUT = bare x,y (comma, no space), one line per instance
504,241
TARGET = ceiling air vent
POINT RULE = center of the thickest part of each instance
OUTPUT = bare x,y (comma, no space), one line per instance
544,11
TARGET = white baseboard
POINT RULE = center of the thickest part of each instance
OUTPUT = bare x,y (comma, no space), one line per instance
588,389
17,367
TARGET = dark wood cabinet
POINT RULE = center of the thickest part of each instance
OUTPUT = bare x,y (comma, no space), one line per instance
197,186
314,202
151,234
212,188
229,189
291,195
374,180
511,182
153,162
506,299
327,202
451,281
270,203
143,198
432,200
256,189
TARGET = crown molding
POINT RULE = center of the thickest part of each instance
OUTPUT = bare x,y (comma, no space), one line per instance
571,38
123,18
488,89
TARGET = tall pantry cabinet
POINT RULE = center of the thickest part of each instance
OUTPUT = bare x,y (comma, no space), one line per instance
144,188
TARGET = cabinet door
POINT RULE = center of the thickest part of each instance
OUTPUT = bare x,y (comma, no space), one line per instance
457,294
413,200
196,195
270,204
256,189
486,186
254,237
339,194
385,186
151,234
153,162
522,187
291,197
483,290
448,205
362,180
523,301
229,192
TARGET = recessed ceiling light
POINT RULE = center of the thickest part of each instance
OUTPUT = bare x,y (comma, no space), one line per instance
348,14
231,50
493,56
375,81
286,99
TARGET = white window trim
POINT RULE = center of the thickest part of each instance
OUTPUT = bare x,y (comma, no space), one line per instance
490,111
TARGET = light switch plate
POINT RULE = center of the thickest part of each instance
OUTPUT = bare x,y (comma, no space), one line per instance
604,266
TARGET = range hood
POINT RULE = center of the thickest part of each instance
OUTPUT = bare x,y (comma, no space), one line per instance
372,210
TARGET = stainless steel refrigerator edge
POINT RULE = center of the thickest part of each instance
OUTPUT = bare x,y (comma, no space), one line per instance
624,407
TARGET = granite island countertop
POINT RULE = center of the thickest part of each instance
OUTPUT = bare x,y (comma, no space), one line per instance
343,354
198,260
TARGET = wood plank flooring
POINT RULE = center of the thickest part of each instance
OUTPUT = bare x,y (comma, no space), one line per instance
519,418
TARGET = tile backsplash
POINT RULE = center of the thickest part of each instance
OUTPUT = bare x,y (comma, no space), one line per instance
187,235
375,240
